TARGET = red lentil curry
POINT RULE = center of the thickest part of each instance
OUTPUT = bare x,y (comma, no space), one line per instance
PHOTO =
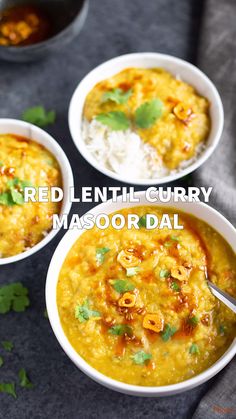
135,303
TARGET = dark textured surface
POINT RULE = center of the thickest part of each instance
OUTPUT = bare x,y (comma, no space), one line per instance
61,391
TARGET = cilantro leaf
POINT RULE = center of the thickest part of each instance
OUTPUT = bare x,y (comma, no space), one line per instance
39,116
118,96
174,286
24,380
6,199
121,329
7,345
100,254
193,321
13,296
1,361
115,120
15,194
122,286
168,332
194,349
132,271
164,273
83,313
143,221
141,357
147,114
8,388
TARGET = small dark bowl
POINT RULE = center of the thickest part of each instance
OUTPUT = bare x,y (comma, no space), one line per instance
68,17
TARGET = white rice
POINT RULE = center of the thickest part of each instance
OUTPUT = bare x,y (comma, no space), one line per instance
124,152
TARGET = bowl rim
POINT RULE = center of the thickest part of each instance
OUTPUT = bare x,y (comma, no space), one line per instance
67,180
79,143
80,16
51,289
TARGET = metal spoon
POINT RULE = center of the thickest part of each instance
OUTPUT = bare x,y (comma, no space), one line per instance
223,296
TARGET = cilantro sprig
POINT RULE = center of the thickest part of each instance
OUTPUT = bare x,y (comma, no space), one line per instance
194,349
84,313
24,380
116,120
13,297
164,273
39,116
168,332
8,388
118,96
121,285
141,357
121,329
14,195
147,114
7,345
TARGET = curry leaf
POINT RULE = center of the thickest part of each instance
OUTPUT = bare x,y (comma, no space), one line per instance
118,96
115,120
147,114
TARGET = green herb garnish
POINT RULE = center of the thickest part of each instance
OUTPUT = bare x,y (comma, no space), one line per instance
132,271
141,357
13,297
174,286
24,380
164,273
100,254
122,286
83,313
7,345
39,116
193,321
147,114
143,221
15,192
222,330
168,332
194,349
121,329
175,238
115,120
118,96
8,388
1,361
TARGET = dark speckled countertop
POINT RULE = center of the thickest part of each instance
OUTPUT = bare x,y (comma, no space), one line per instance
112,28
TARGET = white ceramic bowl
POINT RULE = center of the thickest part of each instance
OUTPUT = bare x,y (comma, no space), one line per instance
17,127
201,211
186,71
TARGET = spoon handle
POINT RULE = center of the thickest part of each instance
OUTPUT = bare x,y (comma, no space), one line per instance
223,296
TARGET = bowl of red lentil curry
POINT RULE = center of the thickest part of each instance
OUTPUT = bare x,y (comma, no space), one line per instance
31,29
132,308
29,157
